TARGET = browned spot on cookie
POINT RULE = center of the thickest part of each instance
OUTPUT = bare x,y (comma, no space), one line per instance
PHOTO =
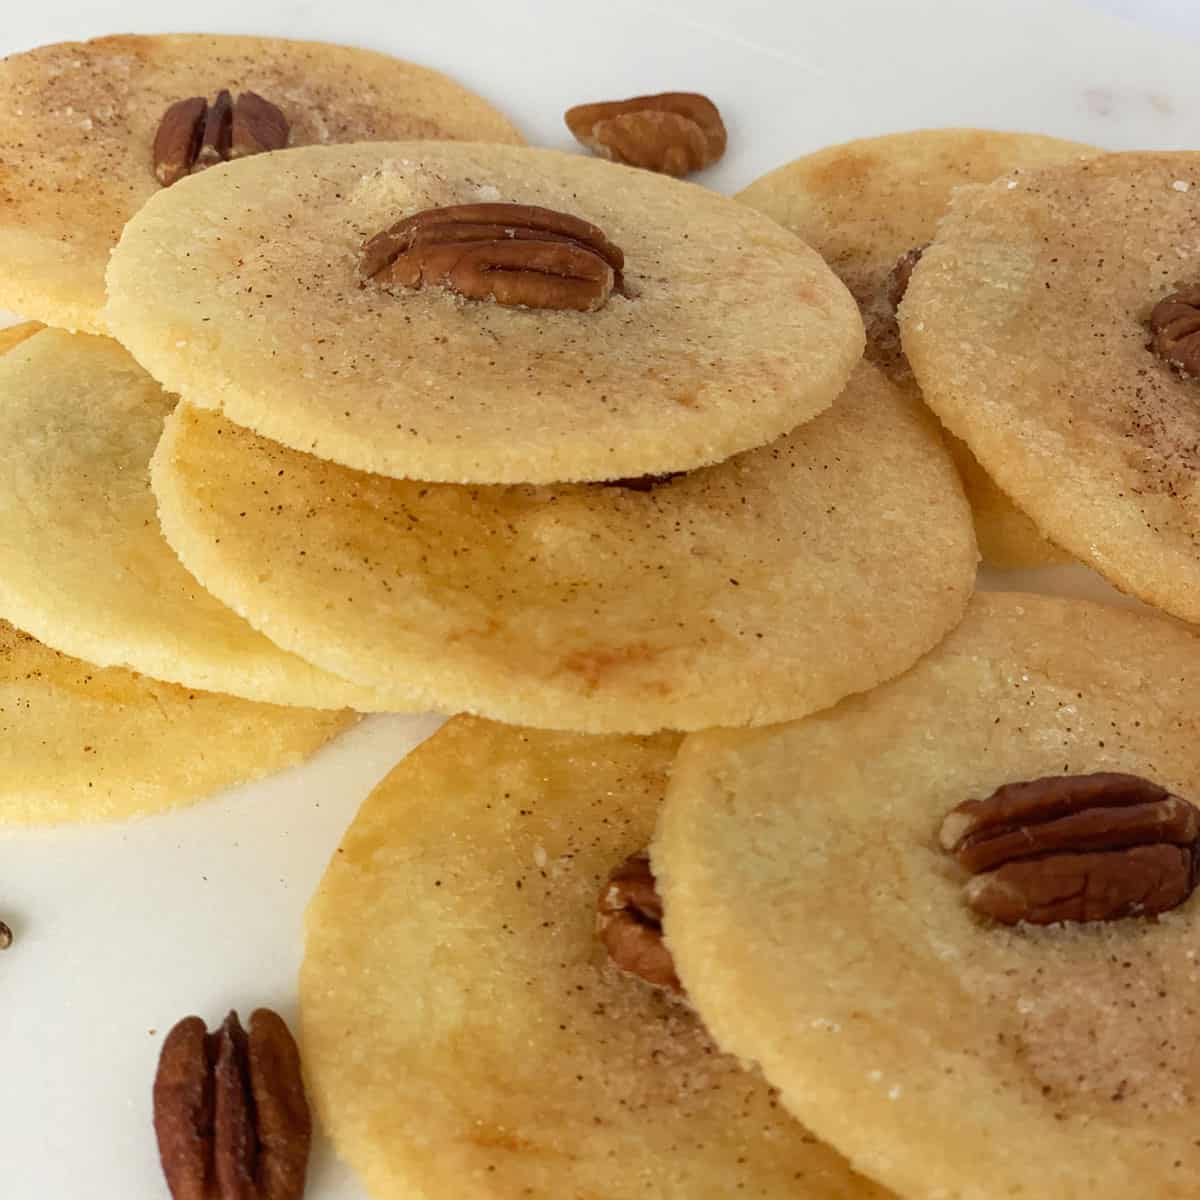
598,665
494,1137
686,399
845,172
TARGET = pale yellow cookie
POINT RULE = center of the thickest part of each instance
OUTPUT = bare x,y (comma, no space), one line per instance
83,565
765,587
1026,323
822,931
863,205
84,743
241,289
464,1032
78,121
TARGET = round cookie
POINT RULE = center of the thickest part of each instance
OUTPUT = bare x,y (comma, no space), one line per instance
79,120
1026,325
242,290
83,743
85,568
765,587
464,1032
821,930
862,205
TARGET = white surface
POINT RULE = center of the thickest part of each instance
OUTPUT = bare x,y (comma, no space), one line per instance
122,930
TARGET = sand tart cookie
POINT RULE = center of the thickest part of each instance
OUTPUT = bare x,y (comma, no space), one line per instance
1028,324
536,317
824,930
83,564
767,586
465,1032
84,743
864,205
80,119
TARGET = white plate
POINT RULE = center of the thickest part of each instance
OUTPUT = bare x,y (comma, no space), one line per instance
122,930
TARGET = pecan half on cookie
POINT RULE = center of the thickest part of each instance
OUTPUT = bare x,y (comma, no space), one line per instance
629,923
514,254
194,134
1175,324
1075,848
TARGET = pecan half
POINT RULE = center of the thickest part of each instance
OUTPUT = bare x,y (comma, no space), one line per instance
6,936
230,1113
897,280
1175,324
1075,848
674,133
177,141
515,254
258,126
193,134
629,923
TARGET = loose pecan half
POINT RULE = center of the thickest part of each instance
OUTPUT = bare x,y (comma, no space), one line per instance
515,254
898,277
194,134
629,922
1075,848
230,1113
674,133
1175,324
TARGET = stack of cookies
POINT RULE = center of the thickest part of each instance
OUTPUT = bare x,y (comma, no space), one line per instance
943,918
614,470
353,403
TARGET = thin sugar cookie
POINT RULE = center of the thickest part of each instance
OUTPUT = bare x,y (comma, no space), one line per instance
837,917
539,317
84,743
79,123
765,587
83,564
1028,325
866,204
464,1031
